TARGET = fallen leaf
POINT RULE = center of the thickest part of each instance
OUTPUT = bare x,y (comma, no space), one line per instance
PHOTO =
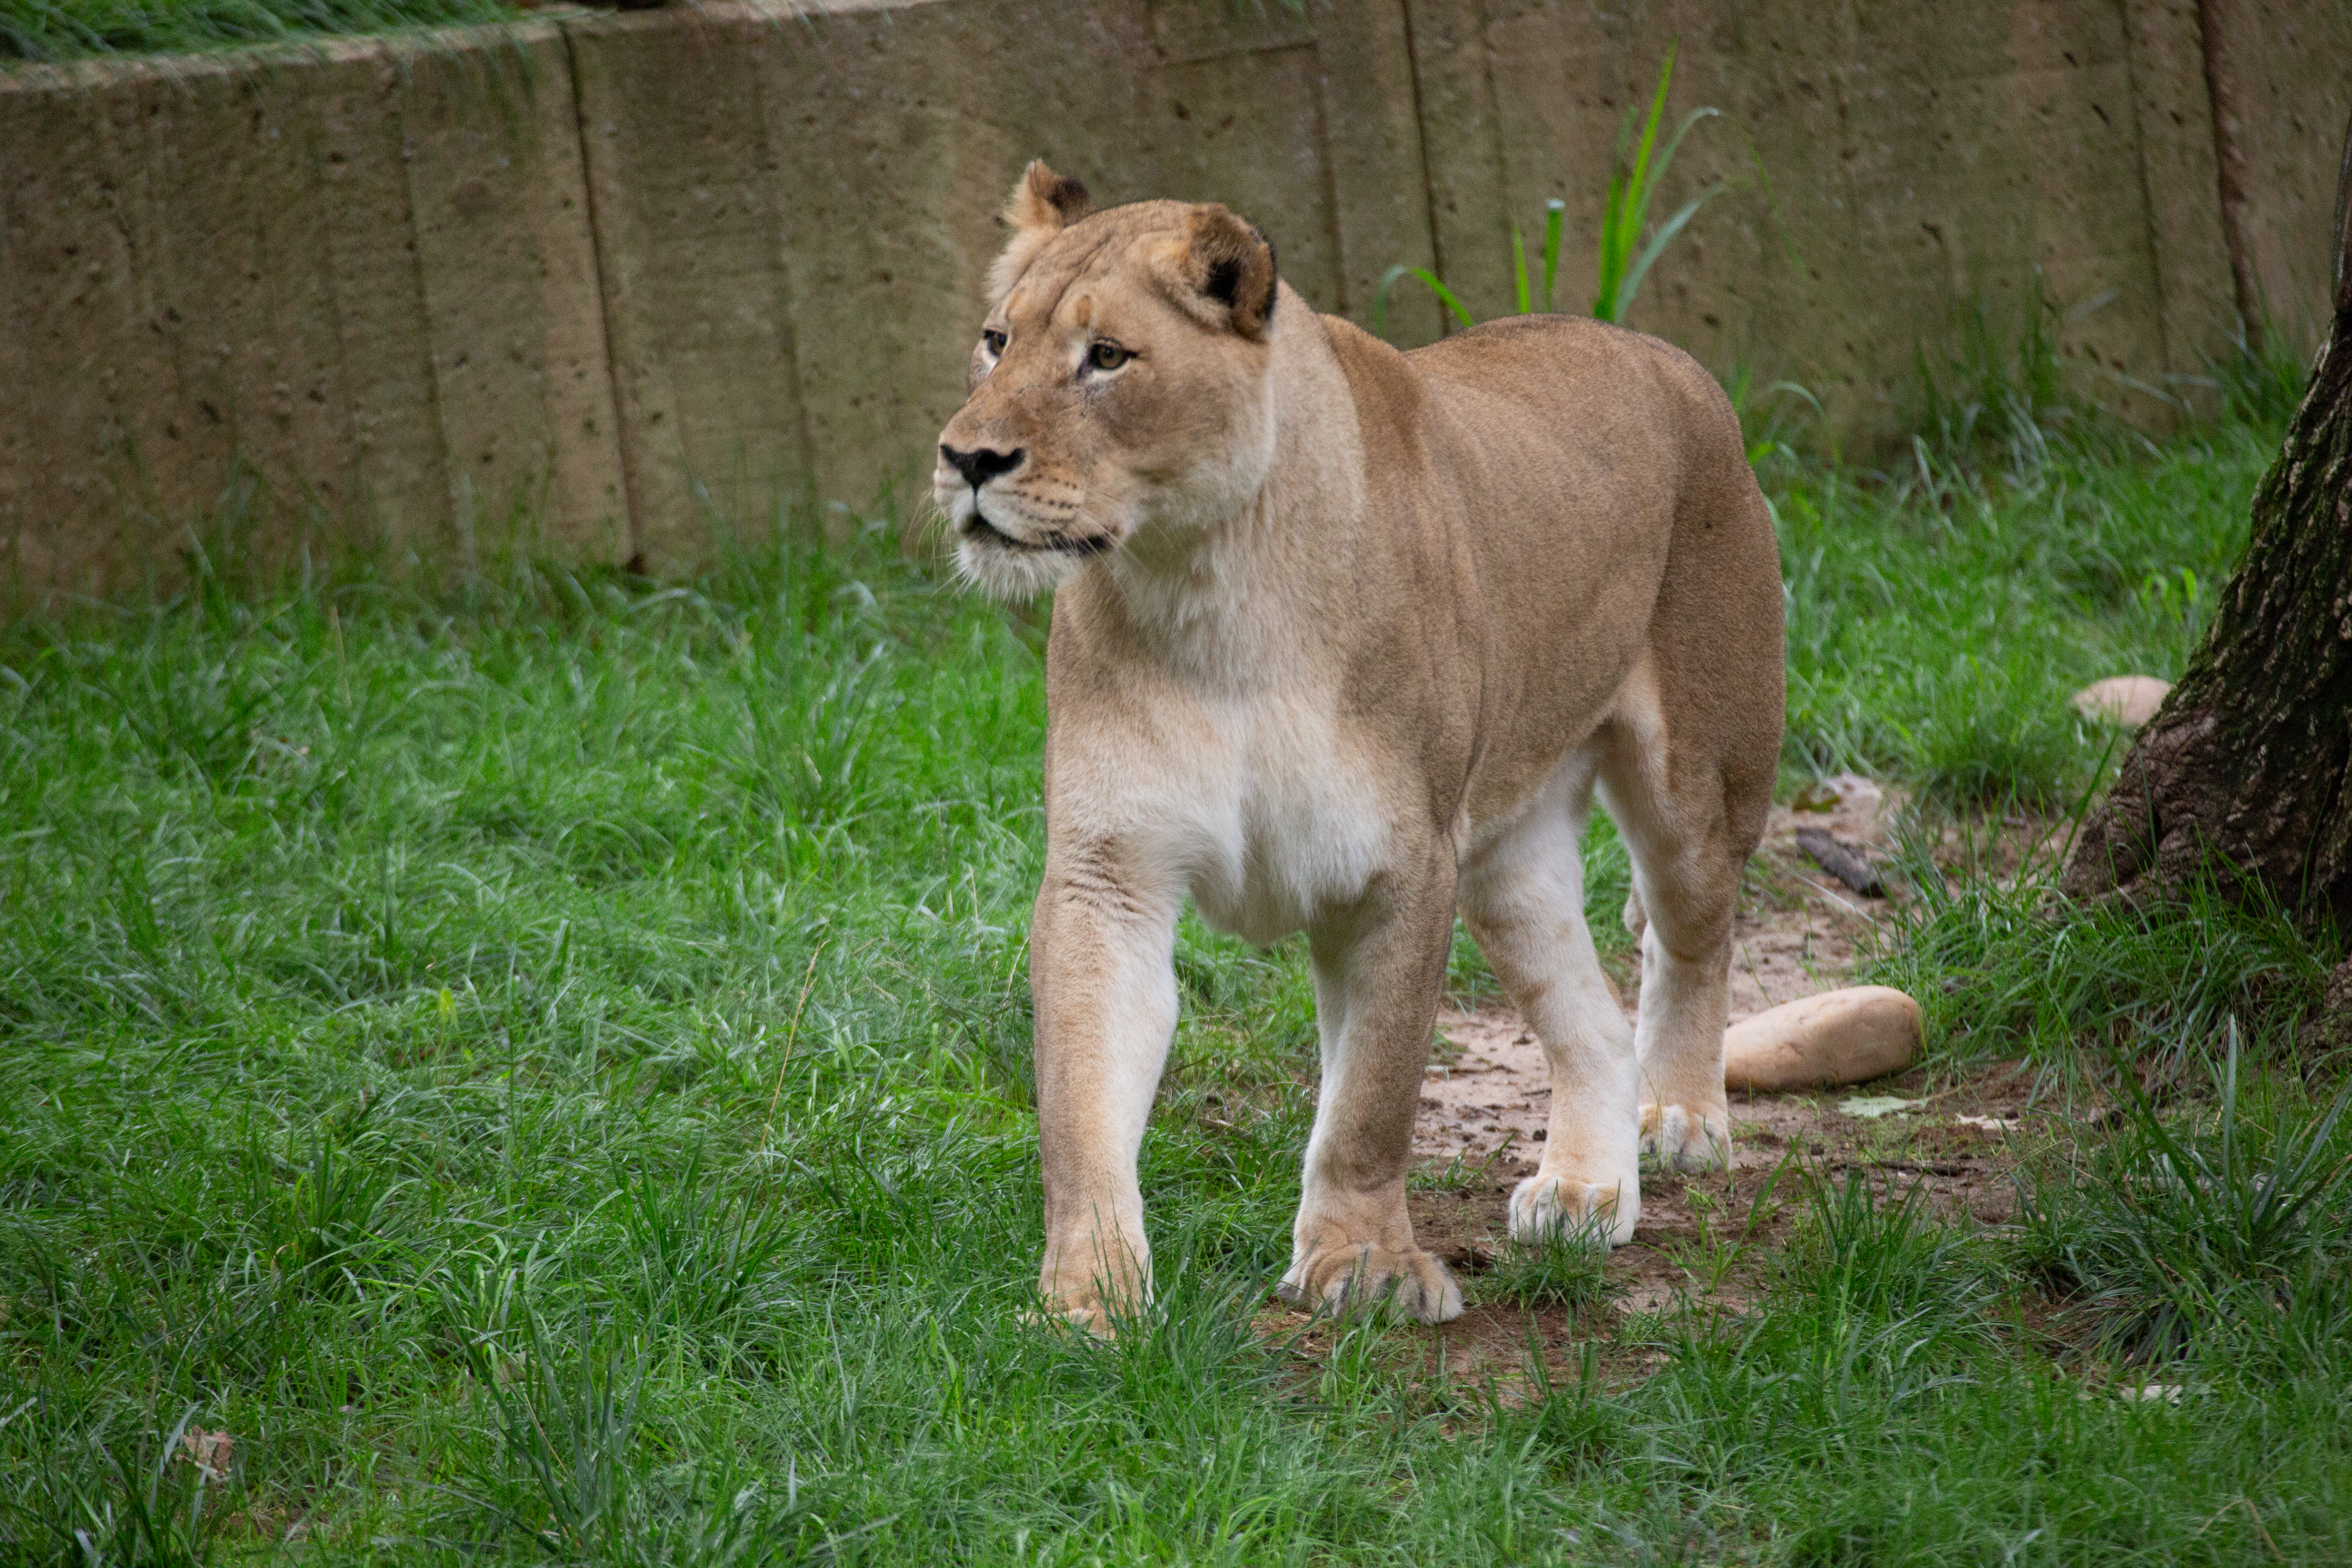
209,1451
1877,1105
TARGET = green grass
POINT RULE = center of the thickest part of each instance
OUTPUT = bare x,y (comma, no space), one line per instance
1938,621
2004,969
78,29
1562,1269
2233,1215
543,1064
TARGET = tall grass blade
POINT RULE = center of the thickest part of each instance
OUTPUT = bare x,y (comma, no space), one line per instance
1395,275
1554,214
1666,231
1622,266
1629,202
1624,258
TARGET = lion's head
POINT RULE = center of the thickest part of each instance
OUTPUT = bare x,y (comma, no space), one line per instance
1120,389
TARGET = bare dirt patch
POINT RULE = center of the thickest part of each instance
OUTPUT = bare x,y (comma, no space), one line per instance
1703,1241
1706,1242
1796,932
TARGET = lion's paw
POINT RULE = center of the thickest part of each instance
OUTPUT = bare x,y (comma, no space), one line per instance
1544,1207
1414,1283
1685,1138
1099,1306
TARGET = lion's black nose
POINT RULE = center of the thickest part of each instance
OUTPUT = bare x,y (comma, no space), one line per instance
981,464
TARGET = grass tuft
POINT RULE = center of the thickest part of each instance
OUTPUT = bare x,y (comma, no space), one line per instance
49,30
2005,965
2235,1214
1566,1270
1868,1250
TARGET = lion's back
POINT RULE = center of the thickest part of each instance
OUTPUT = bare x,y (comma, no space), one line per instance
1580,378
1594,485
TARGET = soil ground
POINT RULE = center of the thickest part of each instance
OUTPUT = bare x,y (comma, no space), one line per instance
1702,1238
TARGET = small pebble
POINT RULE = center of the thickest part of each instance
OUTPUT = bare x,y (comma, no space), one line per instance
2130,701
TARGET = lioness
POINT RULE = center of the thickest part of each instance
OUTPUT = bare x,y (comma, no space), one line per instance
1345,639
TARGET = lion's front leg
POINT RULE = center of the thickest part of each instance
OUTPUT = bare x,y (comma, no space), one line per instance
1102,976
1376,975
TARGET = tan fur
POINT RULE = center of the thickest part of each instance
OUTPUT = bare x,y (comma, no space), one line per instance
1344,641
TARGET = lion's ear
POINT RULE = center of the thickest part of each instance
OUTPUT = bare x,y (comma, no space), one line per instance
1229,266
1044,199
1042,206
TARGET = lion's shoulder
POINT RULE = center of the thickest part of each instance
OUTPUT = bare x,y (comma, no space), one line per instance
1391,398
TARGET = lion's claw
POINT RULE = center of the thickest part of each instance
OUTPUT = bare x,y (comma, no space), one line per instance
1685,1138
1546,1206
1415,1283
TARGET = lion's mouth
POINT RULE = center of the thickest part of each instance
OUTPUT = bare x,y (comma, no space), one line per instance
977,529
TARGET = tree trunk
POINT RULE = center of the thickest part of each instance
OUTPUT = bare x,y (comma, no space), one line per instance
2248,763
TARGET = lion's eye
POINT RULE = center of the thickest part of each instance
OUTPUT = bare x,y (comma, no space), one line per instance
993,341
1107,356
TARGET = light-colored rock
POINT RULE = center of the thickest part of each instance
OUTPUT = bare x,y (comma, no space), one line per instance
1848,806
1835,1037
2127,700
1850,793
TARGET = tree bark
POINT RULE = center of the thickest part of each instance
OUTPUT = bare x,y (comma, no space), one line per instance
2248,763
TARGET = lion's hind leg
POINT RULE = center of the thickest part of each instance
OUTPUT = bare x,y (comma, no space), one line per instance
1689,819
1523,899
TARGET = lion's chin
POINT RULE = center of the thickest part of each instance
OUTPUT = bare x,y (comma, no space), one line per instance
1005,569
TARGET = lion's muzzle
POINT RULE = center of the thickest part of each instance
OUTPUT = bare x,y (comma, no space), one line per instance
978,465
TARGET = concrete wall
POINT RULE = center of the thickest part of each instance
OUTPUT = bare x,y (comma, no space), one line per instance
799,308
2288,73
623,276
367,275
1893,166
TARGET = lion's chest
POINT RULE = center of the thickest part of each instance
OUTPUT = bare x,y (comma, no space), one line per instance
1288,813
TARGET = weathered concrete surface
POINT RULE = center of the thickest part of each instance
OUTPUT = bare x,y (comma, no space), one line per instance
641,277
2181,183
522,385
2288,69
355,285
1893,169
695,237
795,213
